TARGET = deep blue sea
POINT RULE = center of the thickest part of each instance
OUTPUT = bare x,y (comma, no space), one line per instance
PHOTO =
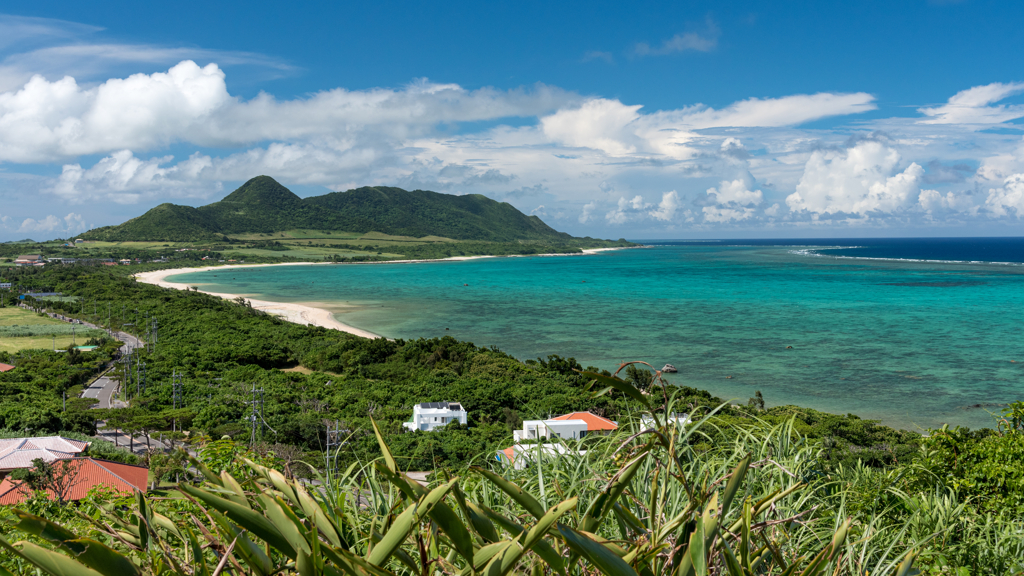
915,332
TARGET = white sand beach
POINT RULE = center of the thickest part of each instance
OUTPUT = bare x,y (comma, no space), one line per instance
297,313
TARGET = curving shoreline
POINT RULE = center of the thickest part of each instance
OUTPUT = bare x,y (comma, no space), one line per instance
302,313
295,313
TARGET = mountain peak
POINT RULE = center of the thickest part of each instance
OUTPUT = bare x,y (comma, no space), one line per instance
263,190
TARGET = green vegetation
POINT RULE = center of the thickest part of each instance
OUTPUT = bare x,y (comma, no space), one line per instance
867,496
263,206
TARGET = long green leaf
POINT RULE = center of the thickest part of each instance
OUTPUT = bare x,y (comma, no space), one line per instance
405,524
609,496
602,558
252,554
286,522
446,518
523,498
735,479
388,458
542,548
247,518
86,550
57,564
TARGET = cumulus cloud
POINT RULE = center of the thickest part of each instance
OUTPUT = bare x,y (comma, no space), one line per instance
858,180
973,106
934,203
619,129
667,208
70,224
736,192
720,214
587,213
636,209
1008,199
123,178
47,120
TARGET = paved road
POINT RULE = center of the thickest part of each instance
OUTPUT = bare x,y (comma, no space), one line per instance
104,387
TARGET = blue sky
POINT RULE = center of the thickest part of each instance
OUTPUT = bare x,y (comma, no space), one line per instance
643,120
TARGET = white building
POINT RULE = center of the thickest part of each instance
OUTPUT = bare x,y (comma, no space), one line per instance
568,426
427,416
676,419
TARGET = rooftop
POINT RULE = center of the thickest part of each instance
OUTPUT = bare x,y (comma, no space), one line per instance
20,452
88,473
594,422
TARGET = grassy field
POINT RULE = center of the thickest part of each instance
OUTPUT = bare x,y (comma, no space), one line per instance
11,316
306,252
39,342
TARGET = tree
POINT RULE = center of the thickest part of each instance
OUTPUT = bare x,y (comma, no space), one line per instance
57,478
757,401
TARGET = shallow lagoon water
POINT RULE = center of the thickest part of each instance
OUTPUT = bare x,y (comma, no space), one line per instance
915,344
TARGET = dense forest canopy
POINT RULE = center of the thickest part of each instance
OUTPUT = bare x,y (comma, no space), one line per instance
262,205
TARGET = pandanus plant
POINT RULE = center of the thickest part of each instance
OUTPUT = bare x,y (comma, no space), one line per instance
387,523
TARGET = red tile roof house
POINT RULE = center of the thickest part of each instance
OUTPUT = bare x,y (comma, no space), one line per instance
83,473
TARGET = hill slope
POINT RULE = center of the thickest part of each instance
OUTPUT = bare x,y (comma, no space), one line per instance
262,205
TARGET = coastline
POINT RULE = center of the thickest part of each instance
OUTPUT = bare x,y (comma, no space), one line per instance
302,313
294,313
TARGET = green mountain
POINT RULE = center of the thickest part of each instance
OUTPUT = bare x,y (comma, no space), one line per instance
262,205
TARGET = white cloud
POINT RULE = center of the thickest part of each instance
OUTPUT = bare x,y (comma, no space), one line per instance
858,180
704,41
935,203
735,192
70,224
47,120
719,214
619,129
1008,199
972,106
587,214
123,178
667,208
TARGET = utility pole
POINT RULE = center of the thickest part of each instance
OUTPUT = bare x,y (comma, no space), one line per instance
256,416
177,399
333,441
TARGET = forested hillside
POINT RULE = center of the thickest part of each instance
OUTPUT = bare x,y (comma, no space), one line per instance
262,205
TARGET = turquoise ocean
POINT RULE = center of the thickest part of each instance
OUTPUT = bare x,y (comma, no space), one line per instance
887,331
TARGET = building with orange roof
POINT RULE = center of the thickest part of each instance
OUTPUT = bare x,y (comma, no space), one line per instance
575,425
80,476
5,367
594,422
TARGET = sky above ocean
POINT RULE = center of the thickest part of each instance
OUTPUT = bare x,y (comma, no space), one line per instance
648,120
892,329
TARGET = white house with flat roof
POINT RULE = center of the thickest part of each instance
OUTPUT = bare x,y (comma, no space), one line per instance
574,425
565,429
426,416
